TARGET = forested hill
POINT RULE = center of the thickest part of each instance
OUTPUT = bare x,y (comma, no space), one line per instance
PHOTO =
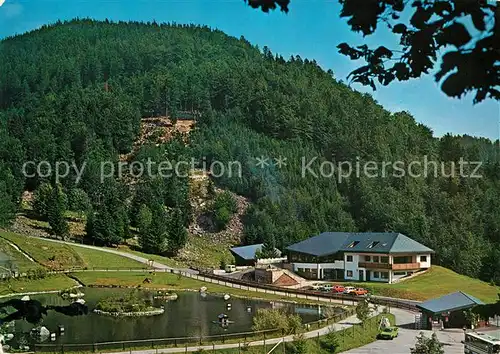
56,106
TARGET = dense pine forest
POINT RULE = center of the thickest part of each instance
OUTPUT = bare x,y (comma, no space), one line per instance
77,91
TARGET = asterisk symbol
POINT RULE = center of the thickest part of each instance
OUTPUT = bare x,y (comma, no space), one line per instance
262,162
280,161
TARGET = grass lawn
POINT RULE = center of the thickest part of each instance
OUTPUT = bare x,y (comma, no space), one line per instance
347,339
53,282
99,259
57,256
23,263
160,259
436,282
53,256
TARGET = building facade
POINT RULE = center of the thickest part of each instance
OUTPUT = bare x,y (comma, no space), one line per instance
383,257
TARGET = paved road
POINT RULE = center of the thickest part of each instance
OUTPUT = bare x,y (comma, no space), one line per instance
406,340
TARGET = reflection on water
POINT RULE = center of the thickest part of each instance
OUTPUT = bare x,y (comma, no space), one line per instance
190,315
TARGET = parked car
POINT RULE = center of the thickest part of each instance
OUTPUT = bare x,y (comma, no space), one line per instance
326,287
317,286
359,291
338,289
349,289
388,333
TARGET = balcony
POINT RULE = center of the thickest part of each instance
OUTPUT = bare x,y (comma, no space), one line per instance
405,266
369,265
399,266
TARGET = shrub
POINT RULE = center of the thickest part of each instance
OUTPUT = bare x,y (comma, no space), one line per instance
298,346
330,342
124,303
266,319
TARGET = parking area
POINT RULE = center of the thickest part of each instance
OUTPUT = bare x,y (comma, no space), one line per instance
407,338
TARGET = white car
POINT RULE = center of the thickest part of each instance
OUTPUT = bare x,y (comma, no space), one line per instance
326,287
317,286
348,289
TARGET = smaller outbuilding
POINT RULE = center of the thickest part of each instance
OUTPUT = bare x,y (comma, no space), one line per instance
447,311
246,255
249,255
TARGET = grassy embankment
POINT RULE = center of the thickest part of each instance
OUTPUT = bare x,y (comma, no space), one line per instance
354,337
58,256
436,282
53,256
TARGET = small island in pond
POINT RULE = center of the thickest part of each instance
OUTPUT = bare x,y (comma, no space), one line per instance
128,305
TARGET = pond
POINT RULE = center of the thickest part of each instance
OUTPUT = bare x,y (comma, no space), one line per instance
190,315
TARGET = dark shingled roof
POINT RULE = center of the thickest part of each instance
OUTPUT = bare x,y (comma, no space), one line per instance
321,245
328,243
247,252
451,302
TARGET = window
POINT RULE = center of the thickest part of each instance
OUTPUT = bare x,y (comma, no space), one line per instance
376,275
375,259
353,244
349,274
349,258
403,259
373,244
384,259
384,275
368,259
423,258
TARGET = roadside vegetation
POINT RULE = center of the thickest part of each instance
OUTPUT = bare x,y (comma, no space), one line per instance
334,342
266,319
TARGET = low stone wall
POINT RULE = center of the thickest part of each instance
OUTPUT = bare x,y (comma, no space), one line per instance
131,314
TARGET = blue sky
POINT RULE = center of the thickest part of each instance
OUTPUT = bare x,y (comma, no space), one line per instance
311,29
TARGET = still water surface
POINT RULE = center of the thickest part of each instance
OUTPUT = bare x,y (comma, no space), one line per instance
190,315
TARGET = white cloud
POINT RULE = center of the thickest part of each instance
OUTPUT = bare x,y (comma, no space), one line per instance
1,2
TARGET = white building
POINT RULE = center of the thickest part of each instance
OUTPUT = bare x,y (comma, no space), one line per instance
368,256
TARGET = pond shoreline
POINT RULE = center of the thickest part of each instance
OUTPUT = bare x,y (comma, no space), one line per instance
39,292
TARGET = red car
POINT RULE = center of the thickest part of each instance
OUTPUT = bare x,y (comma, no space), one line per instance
359,291
338,289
